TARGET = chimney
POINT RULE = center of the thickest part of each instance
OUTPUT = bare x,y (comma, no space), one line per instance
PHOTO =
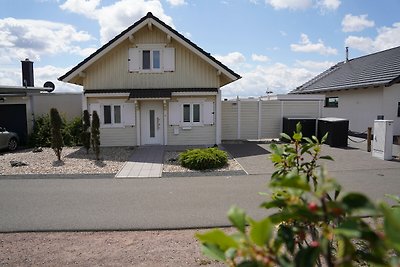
27,73
347,54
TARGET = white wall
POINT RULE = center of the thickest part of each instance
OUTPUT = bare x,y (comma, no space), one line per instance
362,106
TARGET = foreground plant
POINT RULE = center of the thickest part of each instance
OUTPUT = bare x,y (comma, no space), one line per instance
313,224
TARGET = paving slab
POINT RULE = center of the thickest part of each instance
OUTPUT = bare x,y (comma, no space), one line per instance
146,161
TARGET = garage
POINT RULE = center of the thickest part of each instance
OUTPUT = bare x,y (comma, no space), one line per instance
13,118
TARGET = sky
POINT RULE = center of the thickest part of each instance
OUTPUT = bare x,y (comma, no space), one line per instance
275,45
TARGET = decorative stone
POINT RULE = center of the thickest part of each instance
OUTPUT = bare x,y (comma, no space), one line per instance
15,163
37,150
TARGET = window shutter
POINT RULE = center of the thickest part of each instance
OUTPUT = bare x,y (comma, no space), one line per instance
129,114
134,60
208,113
169,59
96,107
174,113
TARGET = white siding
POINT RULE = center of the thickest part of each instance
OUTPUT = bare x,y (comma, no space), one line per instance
271,119
197,135
118,136
229,115
301,109
248,119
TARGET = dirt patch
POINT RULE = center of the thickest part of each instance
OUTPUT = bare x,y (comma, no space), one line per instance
142,248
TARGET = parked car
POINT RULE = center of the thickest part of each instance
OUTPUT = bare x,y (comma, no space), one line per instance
8,140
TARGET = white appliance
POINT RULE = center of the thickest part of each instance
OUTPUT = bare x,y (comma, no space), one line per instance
383,139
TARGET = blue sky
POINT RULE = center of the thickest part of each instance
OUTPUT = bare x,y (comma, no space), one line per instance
274,45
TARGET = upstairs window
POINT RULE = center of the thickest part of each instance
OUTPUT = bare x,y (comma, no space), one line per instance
151,58
332,102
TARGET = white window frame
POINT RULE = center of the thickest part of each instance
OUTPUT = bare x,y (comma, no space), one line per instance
112,107
192,122
151,69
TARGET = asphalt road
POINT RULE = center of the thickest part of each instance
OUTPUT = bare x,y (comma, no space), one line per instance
159,203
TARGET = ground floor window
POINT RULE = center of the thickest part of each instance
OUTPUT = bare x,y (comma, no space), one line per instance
191,113
332,102
112,114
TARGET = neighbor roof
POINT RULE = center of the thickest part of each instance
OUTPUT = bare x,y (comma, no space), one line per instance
131,30
378,69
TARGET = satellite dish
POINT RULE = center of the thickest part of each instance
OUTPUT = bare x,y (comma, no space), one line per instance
50,85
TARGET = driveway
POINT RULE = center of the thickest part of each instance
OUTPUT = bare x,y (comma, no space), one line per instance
104,203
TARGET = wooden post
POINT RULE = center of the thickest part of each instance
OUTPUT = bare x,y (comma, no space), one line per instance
369,139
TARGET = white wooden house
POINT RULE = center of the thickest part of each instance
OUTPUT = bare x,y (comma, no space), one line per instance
361,90
151,85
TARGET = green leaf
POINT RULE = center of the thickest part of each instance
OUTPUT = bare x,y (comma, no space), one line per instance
295,181
298,136
392,226
287,235
219,238
323,139
261,231
213,251
298,127
307,256
285,136
326,157
277,203
248,264
349,229
238,218
276,158
357,201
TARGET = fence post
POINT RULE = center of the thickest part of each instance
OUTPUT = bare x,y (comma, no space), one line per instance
369,139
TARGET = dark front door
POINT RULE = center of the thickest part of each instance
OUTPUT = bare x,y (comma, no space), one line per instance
13,118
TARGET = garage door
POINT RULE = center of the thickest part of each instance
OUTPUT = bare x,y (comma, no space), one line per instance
13,118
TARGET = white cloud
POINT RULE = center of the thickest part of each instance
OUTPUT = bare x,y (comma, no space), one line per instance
328,4
24,38
259,58
116,17
231,59
289,4
278,78
12,76
306,46
387,37
304,4
352,23
176,2
315,65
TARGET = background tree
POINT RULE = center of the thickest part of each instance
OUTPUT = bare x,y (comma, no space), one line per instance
56,136
95,130
85,130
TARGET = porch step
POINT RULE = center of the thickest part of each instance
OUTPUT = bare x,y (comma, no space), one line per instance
145,162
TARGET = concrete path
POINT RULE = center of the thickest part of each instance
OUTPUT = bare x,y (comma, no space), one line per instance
145,162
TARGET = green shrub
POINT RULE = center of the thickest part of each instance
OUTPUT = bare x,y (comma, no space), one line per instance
41,133
56,137
202,159
95,133
310,222
85,135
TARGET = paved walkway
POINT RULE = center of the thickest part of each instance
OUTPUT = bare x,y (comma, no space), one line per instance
145,162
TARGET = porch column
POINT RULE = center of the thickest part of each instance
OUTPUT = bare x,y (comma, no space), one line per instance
137,112
165,113
218,118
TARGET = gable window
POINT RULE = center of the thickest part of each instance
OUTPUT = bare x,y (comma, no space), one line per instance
332,102
151,58
191,113
111,114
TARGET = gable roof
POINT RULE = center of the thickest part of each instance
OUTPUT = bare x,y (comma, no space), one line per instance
149,18
378,69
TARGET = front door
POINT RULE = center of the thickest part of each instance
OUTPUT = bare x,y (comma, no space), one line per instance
151,117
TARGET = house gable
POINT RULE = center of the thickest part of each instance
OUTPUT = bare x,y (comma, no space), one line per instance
108,67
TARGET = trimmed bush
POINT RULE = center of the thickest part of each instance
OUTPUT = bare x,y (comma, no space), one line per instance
56,137
203,159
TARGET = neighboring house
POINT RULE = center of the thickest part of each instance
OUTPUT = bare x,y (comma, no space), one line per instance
151,85
20,105
361,90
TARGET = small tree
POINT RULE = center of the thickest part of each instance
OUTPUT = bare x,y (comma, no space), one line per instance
56,136
96,134
85,130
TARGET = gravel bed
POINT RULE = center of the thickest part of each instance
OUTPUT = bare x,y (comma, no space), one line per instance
74,160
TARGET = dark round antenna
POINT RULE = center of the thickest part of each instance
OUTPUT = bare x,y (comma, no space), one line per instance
50,85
